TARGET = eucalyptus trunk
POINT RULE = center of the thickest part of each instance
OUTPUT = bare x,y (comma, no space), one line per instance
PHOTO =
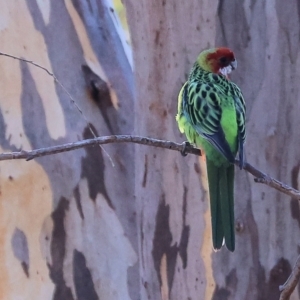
171,191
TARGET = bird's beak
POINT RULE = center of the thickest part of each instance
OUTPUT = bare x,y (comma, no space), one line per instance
233,64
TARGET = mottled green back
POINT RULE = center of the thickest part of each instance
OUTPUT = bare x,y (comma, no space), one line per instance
211,112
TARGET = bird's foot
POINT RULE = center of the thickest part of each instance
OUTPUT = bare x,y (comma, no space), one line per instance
242,164
185,146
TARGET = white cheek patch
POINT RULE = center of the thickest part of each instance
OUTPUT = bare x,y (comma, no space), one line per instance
225,71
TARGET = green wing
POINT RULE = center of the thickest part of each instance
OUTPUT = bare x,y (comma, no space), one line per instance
240,108
202,107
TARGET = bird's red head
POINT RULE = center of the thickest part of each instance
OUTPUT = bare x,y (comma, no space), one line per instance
218,60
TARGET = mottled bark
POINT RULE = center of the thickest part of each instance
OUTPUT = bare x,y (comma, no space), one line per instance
173,217
166,37
68,222
76,226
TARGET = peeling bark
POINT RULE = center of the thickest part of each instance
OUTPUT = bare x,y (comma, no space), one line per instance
166,38
132,222
68,223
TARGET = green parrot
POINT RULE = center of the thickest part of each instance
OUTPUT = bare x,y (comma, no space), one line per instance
211,113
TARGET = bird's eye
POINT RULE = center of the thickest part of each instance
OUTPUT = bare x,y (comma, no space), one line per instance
223,60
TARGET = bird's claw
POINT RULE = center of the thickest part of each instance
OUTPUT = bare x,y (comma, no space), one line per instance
185,146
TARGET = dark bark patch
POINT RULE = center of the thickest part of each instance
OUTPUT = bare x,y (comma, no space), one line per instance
156,40
162,242
278,275
224,293
259,283
163,239
25,268
145,171
176,169
142,238
197,168
93,168
83,281
78,202
98,90
3,140
184,239
294,204
32,105
231,280
58,244
20,249
221,294
185,233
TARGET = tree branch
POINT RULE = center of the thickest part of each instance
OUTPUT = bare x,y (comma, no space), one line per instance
30,154
288,287
183,148
261,177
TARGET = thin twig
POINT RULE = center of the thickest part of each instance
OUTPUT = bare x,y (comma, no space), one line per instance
288,287
48,72
64,89
183,148
29,62
261,177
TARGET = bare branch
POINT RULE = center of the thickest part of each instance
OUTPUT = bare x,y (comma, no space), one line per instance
183,148
30,154
52,75
288,287
261,177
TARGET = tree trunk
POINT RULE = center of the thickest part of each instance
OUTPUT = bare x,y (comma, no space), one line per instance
124,222
68,228
175,239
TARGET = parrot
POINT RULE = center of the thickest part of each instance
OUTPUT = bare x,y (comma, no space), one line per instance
211,114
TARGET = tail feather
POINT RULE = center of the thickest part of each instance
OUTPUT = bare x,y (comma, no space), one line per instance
221,185
215,205
226,192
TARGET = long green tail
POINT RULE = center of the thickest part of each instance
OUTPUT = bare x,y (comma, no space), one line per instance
221,186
